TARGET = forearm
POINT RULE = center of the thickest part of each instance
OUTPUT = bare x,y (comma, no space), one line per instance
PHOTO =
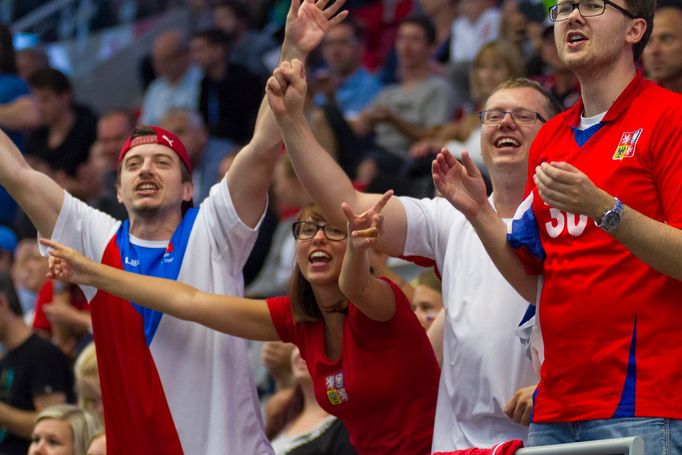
20,114
37,194
411,131
17,421
493,234
355,276
657,244
317,171
232,315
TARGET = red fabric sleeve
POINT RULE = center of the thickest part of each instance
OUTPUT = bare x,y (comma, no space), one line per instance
282,319
40,321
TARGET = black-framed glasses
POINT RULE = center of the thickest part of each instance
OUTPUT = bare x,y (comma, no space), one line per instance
586,8
306,230
519,116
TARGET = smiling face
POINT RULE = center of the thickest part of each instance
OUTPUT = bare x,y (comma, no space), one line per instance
51,437
506,144
319,259
151,181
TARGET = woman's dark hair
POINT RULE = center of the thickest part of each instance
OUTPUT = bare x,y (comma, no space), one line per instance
303,304
8,61
285,414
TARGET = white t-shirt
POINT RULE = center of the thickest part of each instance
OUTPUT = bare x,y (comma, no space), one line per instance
467,37
204,374
483,360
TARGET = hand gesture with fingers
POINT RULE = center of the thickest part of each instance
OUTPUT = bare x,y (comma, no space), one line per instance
286,89
66,264
308,21
566,188
365,228
460,183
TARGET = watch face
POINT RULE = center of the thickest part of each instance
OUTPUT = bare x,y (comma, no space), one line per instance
611,220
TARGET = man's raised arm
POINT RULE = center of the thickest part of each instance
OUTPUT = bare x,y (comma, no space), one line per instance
319,174
463,186
251,172
36,193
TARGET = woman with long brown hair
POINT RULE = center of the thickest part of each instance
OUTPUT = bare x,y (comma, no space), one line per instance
370,360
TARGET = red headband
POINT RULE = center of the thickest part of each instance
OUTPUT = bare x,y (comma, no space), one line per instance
161,137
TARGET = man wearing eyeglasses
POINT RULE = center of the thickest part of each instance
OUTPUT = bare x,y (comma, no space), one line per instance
601,225
483,361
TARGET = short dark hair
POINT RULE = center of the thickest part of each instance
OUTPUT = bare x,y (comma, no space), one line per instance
424,23
239,8
643,9
10,293
552,106
50,79
355,26
8,62
214,37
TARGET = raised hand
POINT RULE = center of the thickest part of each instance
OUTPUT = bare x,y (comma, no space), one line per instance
308,21
365,228
286,89
460,183
66,264
566,188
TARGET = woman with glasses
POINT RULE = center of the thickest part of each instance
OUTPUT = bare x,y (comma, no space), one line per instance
370,360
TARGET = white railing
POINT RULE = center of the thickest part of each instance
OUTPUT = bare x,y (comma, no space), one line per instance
618,446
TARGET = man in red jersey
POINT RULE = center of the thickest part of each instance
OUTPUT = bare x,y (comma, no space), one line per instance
601,224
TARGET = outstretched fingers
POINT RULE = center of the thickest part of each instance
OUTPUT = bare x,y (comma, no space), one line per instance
381,203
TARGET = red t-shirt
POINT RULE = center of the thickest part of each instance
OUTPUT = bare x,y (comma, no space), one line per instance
385,383
40,321
610,323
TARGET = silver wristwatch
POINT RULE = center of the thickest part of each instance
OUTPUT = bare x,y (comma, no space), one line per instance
610,220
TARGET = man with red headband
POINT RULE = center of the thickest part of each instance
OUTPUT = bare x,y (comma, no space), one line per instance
170,386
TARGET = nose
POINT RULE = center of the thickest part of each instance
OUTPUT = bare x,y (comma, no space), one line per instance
319,235
575,14
507,121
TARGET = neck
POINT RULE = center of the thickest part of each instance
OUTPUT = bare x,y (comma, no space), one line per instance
414,74
17,333
310,403
509,185
673,84
63,123
154,227
601,88
218,71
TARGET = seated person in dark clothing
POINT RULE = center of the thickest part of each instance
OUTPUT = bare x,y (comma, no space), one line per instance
34,374
67,131
230,95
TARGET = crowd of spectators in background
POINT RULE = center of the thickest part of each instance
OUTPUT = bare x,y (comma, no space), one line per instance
388,88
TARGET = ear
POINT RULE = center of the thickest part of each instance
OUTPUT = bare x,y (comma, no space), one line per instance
636,32
187,191
119,197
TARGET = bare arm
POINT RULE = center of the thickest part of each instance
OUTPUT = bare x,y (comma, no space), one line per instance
20,114
236,316
371,295
435,334
462,185
37,194
566,188
20,421
320,175
249,177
